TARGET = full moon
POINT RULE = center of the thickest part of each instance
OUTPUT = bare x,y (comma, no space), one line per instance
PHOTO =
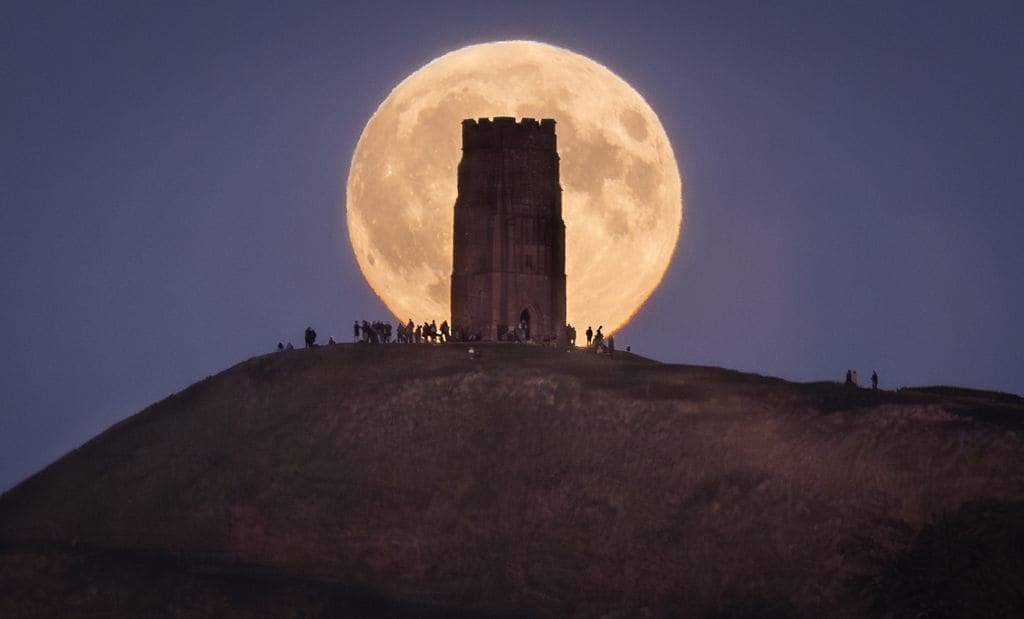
621,190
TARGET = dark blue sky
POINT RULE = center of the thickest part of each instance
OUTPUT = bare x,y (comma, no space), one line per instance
172,186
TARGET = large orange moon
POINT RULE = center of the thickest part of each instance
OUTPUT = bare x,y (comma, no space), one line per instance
622,197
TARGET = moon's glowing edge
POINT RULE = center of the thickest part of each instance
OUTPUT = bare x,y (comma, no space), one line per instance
384,295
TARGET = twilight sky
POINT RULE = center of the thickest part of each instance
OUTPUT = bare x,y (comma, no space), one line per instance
172,186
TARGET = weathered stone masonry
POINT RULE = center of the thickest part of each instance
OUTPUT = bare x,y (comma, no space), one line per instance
509,258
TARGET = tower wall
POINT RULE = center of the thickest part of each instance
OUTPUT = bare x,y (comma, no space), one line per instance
509,236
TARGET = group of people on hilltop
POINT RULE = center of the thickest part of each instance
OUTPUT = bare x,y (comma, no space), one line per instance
426,332
309,337
851,378
380,332
376,332
409,333
596,341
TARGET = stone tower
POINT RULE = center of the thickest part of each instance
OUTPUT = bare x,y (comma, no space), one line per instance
508,268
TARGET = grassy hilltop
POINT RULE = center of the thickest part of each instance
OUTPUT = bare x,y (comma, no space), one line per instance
359,480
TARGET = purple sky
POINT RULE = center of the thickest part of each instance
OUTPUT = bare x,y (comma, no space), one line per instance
172,187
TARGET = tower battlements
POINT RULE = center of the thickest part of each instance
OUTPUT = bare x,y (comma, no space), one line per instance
507,132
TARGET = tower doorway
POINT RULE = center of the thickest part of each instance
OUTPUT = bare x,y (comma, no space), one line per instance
524,326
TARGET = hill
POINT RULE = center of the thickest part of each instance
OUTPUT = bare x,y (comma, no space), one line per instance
359,480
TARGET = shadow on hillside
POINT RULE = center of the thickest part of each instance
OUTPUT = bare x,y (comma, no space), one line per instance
999,409
64,580
966,564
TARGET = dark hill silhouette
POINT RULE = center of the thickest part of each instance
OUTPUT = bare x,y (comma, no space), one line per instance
362,480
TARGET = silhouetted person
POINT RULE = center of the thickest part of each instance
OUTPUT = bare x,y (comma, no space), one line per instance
874,379
445,331
280,346
289,346
854,379
310,337
330,341
355,331
849,377
590,335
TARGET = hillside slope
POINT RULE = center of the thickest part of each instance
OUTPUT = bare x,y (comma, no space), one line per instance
414,481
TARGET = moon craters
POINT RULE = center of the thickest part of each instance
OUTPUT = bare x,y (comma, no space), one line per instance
634,124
